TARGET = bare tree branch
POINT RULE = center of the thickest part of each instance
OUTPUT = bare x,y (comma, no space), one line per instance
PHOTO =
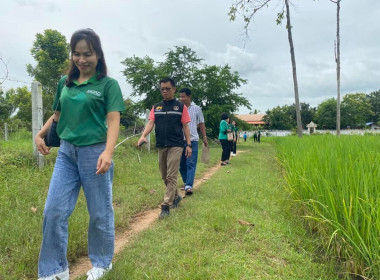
6,72
248,9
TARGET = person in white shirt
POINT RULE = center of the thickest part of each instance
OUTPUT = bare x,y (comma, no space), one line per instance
188,165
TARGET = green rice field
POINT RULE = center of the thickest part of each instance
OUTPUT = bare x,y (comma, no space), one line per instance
336,180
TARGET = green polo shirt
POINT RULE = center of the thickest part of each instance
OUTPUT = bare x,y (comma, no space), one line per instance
84,108
223,130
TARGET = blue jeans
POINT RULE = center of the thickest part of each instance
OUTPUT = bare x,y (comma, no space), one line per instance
76,167
188,165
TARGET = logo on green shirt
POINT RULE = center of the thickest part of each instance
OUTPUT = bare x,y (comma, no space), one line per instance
94,92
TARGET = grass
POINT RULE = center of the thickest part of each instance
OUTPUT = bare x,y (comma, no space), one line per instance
137,187
202,239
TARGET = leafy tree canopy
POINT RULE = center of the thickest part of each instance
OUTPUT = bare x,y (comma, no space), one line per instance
326,114
214,87
7,108
51,52
374,100
16,104
284,117
356,110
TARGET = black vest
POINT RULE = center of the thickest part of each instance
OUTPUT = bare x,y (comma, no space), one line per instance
168,125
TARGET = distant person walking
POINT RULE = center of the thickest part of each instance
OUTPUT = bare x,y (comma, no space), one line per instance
188,165
255,136
88,106
170,119
258,136
245,136
234,130
223,130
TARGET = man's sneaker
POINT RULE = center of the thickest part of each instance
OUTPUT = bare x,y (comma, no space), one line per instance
97,272
61,276
234,155
165,211
189,190
176,201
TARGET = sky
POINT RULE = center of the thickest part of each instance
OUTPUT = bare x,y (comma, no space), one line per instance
153,27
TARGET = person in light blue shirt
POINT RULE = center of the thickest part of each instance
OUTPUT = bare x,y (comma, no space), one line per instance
188,165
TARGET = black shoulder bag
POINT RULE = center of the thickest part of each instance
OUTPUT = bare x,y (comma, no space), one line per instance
52,139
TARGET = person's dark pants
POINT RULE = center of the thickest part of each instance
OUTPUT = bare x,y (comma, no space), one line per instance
234,147
230,143
226,149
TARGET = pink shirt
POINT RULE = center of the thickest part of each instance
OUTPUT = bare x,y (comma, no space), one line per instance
185,118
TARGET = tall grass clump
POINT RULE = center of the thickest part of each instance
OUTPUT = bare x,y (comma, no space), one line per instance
337,181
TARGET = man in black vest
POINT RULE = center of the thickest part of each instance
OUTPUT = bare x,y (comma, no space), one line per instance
170,118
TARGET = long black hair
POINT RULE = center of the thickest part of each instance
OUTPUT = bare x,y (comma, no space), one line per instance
94,44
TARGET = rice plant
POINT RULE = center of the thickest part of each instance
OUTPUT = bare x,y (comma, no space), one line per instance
337,180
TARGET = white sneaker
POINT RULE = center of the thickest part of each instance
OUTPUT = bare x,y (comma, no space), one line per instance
234,155
97,272
62,276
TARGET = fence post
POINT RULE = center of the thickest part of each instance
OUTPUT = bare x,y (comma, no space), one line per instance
5,131
146,122
37,119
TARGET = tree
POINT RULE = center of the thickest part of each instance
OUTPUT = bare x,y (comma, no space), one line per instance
356,110
307,114
129,119
374,100
51,51
181,64
214,87
279,118
326,114
7,107
249,8
285,117
22,99
337,60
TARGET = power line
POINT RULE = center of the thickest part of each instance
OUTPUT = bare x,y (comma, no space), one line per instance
17,81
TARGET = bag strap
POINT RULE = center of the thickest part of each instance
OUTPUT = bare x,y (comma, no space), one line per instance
56,107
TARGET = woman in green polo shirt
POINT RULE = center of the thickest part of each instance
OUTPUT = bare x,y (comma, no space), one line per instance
223,129
88,104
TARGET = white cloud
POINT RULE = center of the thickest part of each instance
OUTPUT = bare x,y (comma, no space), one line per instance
150,27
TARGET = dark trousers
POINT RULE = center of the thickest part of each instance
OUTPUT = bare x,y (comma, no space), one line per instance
226,149
234,147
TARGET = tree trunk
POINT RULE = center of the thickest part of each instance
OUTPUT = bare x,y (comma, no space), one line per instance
297,102
338,69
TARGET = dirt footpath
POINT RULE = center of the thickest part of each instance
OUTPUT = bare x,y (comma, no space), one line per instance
140,222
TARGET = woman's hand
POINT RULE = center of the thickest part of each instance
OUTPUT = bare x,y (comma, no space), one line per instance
39,139
41,146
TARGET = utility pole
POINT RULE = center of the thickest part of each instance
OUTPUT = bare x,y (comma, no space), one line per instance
6,132
37,119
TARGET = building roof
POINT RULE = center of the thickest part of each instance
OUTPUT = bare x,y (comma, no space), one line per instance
252,118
